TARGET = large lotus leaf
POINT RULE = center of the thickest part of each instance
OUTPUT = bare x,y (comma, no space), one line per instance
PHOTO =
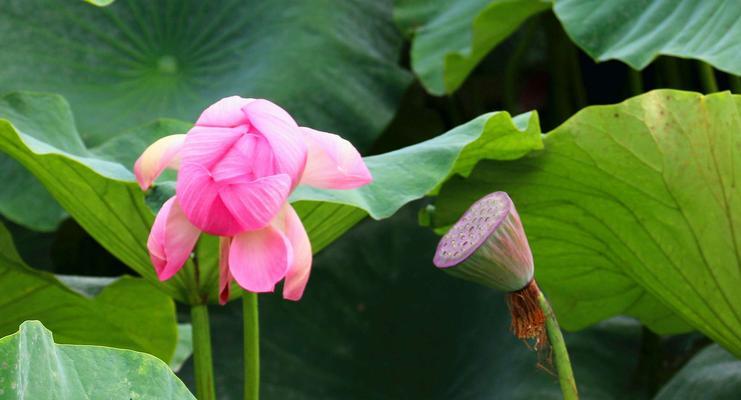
24,200
713,374
637,31
101,194
411,15
451,38
135,61
379,321
633,208
411,173
113,316
100,3
34,367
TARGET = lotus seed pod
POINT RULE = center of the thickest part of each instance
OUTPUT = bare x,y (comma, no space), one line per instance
488,246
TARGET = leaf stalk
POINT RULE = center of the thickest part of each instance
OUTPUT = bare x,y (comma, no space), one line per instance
203,363
561,355
251,332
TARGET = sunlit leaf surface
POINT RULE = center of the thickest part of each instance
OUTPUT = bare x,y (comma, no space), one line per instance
633,209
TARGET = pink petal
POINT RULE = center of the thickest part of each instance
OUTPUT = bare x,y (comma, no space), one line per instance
207,146
226,112
251,157
171,240
225,277
299,270
159,155
333,162
282,133
259,259
254,204
231,207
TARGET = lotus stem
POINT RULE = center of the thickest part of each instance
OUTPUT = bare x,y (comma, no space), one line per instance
670,73
561,355
735,82
707,76
577,85
635,81
512,68
204,370
251,334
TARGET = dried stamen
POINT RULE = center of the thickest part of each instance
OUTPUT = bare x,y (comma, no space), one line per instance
528,319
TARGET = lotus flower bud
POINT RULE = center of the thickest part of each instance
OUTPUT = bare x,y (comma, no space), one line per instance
488,246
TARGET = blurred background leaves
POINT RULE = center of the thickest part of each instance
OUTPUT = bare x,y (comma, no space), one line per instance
136,60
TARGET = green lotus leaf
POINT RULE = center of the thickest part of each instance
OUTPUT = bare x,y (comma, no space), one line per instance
34,367
712,374
632,209
133,62
451,37
100,311
637,31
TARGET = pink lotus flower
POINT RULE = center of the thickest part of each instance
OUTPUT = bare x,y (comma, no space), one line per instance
237,167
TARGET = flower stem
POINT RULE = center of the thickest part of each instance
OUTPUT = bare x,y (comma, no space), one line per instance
204,370
635,82
735,82
709,84
251,346
513,67
563,364
670,72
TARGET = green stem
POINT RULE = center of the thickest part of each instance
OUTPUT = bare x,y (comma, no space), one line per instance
671,75
557,57
649,365
709,84
251,346
204,370
563,365
735,82
577,85
511,81
635,81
